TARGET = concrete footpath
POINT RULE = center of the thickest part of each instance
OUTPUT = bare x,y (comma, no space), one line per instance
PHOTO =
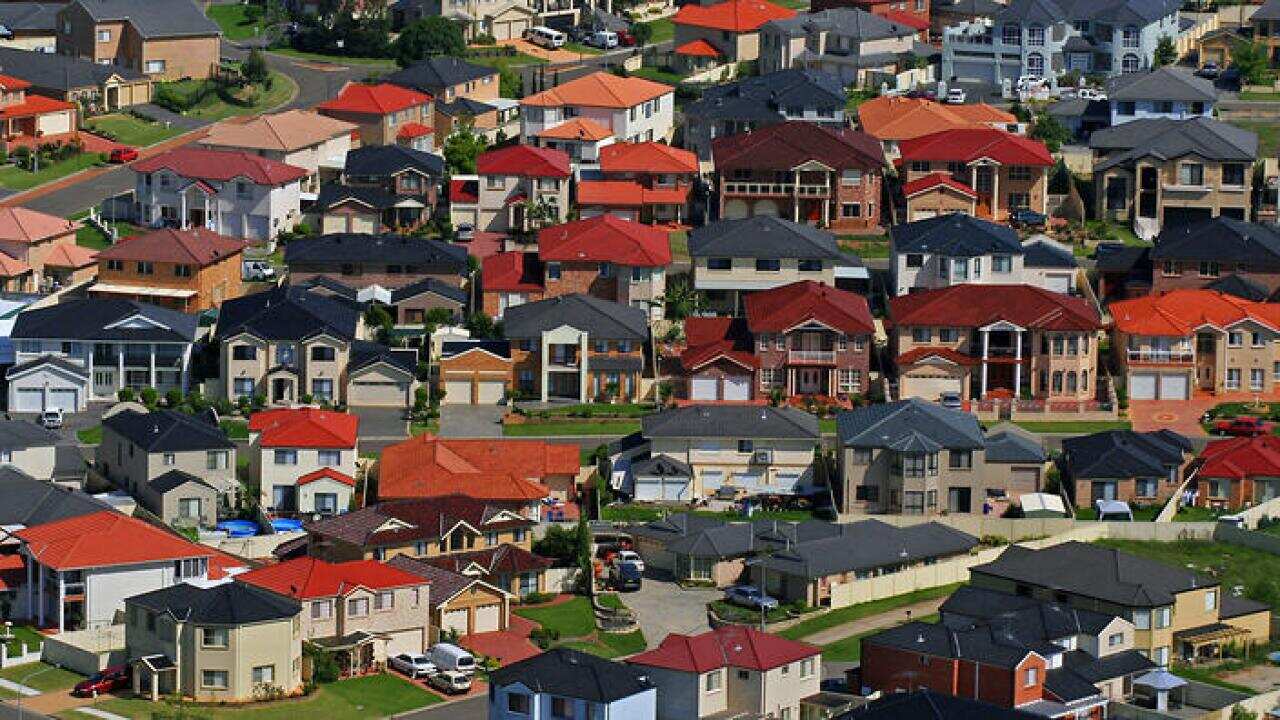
874,622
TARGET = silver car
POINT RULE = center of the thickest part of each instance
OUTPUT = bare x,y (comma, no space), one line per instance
750,596
414,665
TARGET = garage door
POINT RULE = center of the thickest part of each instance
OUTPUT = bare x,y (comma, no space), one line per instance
491,391
457,392
488,618
737,387
378,393
752,481
454,620
930,388
735,209
1142,386
1024,480
764,208
29,400
712,480
1058,283
1173,386
661,489
980,71
923,215
63,399
405,641
1176,216
703,388
362,224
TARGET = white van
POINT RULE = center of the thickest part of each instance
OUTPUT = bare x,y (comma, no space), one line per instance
451,657
603,39
547,38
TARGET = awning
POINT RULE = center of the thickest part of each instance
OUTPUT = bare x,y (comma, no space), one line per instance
109,289
157,663
1160,680
346,642
1205,634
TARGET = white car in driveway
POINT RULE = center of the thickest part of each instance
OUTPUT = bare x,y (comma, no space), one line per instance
414,665
630,556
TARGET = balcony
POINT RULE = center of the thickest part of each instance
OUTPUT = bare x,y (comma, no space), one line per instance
812,356
1161,356
1002,351
780,189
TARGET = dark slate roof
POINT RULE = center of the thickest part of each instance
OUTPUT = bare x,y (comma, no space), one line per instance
23,434
662,466
175,479
717,537
430,285
1270,10
434,74
1167,83
1067,686
1112,12
286,313
763,236
931,705
867,545
573,674
463,106
1241,287
28,16
165,19
365,353
971,8
909,425
1124,454
444,583
1117,257
1046,253
1097,572
376,198
28,501
167,431
849,22
1012,444
1080,108
57,72
382,160
501,348
760,97
55,360
1034,619
228,603
1167,139
956,235
1096,670
88,319
430,256
735,421
1231,606
1220,239
942,641
599,318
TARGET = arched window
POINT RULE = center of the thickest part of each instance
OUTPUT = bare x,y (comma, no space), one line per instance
1011,35
1035,65
1035,35
1129,64
1057,382
1071,381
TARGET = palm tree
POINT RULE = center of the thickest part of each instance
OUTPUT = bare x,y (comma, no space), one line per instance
681,299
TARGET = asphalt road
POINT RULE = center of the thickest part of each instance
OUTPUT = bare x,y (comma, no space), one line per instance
476,708
9,711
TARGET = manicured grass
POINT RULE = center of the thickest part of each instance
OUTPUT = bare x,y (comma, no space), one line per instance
13,178
1268,135
662,75
862,610
610,600
623,643
235,429
794,4
779,515
629,410
857,97
826,425
417,428
90,435
1078,427
557,429
133,130
1118,232
1232,565
573,618
680,246
663,30
1268,97
336,59
581,49
739,614
864,247
94,239
630,513
24,634
235,21
507,63
214,107
40,676
1209,676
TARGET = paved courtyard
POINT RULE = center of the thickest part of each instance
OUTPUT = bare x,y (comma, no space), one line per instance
471,421
662,607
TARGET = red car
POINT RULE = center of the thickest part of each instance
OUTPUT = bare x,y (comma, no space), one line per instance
123,155
626,39
112,678
1243,426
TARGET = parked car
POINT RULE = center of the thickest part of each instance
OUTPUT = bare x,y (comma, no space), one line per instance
450,682
603,39
1091,94
101,683
951,400
625,576
449,657
750,596
465,232
631,556
626,39
1026,218
122,155
414,665
547,38
577,33
956,96
259,270
1209,70
1243,426
51,419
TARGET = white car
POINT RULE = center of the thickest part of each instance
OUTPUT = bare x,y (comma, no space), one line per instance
450,681
51,419
415,665
632,557
1091,94
956,96
258,270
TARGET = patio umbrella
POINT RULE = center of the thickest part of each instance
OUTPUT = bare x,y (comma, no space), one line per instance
1162,681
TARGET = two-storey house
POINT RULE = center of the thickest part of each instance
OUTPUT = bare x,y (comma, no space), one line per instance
1217,253
1168,346
232,193
801,171
730,28
584,114
99,88
301,138
89,349
178,42
1141,468
45,246
569,683
800,339
304,460
384,188
918,458
577,346
894,118
187,270
386,114
516,189
39,454
387,261
980,171
32,116
461,88
506,20
646,181
1170,92
847,42
1012,340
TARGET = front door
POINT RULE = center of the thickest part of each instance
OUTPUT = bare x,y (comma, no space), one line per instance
808,381
281,390
284,497
1148,181
1102,490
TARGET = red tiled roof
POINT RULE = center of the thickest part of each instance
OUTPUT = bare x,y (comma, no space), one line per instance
600,89
646,157
933,180
583,129
785,145
12,571
915,355
505,558
606,238
104,539
221,563
785,307
628,194
327,473
380,99
221,165
464,191
414,130
969,144
713,338
698,48
9,82
731,15
70,256
904,18
34,105
12,267
1241,457
511,272
978,305
737,646
305,427
308,578
197,246
429,466
524,160
1179,313
27,226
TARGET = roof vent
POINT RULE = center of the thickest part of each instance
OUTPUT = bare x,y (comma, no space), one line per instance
920,638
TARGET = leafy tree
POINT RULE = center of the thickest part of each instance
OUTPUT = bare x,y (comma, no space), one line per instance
378,317
1166,53
434,35
462,147
680,299
481,326
1072,209
509,84
559,543
254,67
1050,132
1250,58
643,33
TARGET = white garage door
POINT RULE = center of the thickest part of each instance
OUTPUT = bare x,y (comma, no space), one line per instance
735,209
661,489
737,387
1142,386
488,618
454,620
378,393
29,400
405,641
703,388
767,208
923,215
929,388
1058,283
751,481
457,392
1173,386
63,399
491,391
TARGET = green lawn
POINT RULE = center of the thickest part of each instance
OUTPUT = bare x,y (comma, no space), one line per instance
94,239
1268,135
90,435
1267,97
505,63
13,178
355,699
779,515
662,75
40,676
581,49
864,247
214,108
857,97
337,59
680,246
133,130
552,429
794,4
24,634
630,513
621,643
826,425
235,21
1119,232
1078,427
850,649
1257,571
573,618
627,410
663,30
1209,676
861,610
235,429
417,428
610,600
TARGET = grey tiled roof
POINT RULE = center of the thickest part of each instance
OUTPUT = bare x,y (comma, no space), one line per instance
230,603
1166,83
867,545
175,479
1110,11
23,434
1241,287
907,423
152,18
1012,444
850,22
601,319
760,97
1220,239
731,421
763,236
1047,253
955,235
286,313
58,72
28,501
1167,139
1124,454
167,431
444,583
29,17
434,74
99,319
931,705
573,674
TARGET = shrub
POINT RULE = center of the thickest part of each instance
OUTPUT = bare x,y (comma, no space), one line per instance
125,395
149,397
173,398
324,667
993,540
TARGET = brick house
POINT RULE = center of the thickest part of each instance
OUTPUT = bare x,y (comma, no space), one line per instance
388,261
581,115
803,172
510,183
171,43
802,339
1238,472
1141,468
730,27
987,170
383,188
1199,254
188,270
387,114
31,116
450,80
510,279
475,372
40,244
647,181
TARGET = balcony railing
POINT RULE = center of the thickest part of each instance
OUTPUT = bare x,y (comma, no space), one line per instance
1161,356
812,356
765,188
1002,351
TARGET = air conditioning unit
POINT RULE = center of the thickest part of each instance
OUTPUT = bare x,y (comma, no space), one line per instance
762,456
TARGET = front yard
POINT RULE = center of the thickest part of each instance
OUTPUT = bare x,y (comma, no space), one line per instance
606,428
14,178
864,247
94,239
863,610
573,625
203,101
39,676
1074,427
238,22
131,129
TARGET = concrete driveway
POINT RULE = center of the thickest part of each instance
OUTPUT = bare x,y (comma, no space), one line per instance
474,708
663,607
471,421
382,423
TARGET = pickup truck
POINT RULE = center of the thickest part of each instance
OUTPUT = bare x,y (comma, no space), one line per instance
1243,426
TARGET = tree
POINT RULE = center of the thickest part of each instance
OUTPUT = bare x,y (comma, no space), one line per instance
509,84
434,35
1050,132
481,326
462,147
642,32
680,299
254,67
1166,53
1072,209
1250,58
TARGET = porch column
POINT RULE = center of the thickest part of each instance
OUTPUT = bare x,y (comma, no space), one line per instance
186,364
995,190
152,364
62,603
791,382
582,369
182,210
986,336
1017,366
826,213
795,194
31,563
545,360
89,362
40,613
120,365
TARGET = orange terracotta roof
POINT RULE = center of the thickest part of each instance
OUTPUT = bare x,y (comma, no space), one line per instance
731,15
380,99
627,193
429,466
698,48
305,427
104,539
308,578
9,82
70,256
646,157
902,118
195,246
12,267
23,225
1180,312
600,89
414,130
34,105
327,473
285,131
606,238
578,129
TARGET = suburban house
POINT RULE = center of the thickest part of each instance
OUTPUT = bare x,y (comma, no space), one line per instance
735,668
98,88
982,171
926,704
188,270
36,244
408,305
475,372
386,261
957,248
236,193
1200,254
917,14
509,568
731,28
892,460
1135,467
89,349
854,45
492,120
605,256
33,499
177,42
71,584
304,460
581,115
892,119
803,172
289,343
645,181
217,642
301,138
384,187
1158,172
508,21
577,346
508,471
1169,346
750,103
32,116
1011,340
1175,613
42,454
462,604
1170,92
566,683
180,467
801,339
1237,473
30,26
450,80
385,114
734,259
516,189
362,610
